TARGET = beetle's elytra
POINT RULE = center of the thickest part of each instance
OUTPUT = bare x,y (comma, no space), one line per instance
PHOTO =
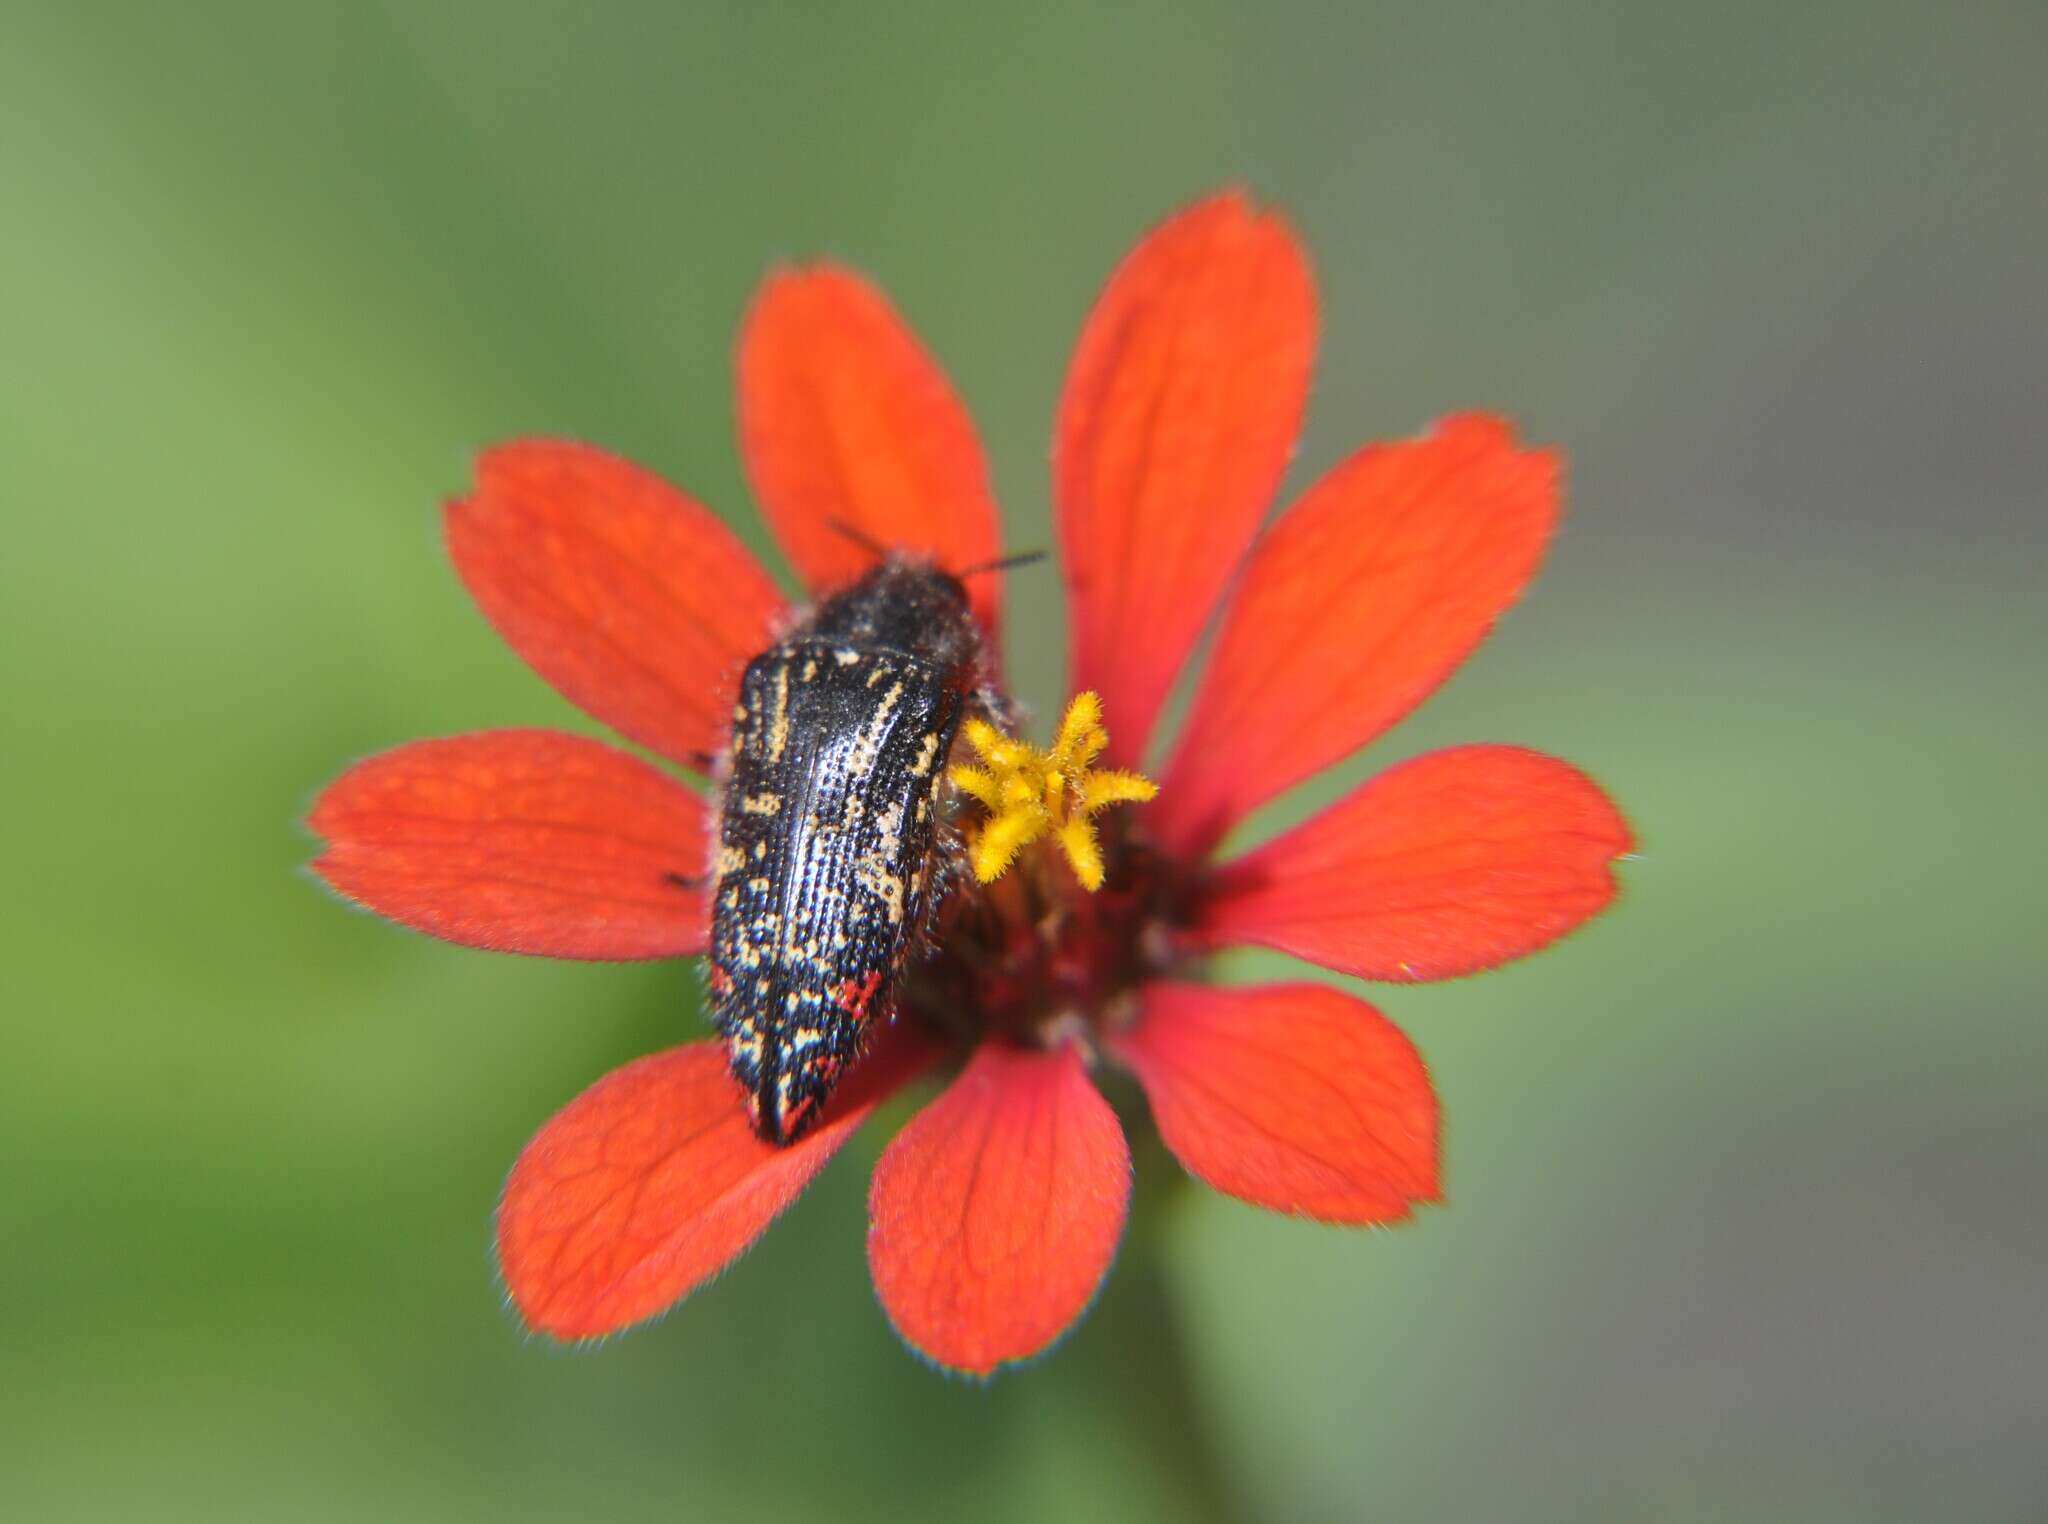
827,830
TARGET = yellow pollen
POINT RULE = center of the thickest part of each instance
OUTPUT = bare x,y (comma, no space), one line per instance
1030,793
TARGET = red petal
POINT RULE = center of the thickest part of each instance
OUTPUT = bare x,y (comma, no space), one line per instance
651,1181
1293,1097
629,597
995,1213
1181,406
846,423
1448,864
523,840
1359,601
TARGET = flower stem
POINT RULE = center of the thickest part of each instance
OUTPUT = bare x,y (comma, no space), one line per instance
1143,1370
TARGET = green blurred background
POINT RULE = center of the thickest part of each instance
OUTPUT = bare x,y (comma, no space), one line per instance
1746,1182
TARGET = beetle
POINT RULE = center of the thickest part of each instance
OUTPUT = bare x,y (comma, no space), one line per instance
829,843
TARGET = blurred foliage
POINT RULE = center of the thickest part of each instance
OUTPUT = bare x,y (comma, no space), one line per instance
1745,1182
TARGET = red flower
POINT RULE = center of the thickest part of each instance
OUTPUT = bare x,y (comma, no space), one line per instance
996,1211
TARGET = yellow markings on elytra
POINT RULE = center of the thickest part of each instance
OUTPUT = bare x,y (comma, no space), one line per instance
1031,793
762,804
778,723
730,860
757,939
867,746
876,873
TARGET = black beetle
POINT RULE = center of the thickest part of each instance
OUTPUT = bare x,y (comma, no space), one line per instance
828,829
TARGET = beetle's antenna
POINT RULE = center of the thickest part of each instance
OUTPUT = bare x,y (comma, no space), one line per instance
860,537
1002,563
869,543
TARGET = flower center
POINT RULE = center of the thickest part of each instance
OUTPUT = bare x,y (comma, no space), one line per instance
1067,913
1031,794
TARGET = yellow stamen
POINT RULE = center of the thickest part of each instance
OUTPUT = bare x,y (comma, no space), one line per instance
1030,793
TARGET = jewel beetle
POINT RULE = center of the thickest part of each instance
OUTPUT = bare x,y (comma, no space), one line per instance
828,860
